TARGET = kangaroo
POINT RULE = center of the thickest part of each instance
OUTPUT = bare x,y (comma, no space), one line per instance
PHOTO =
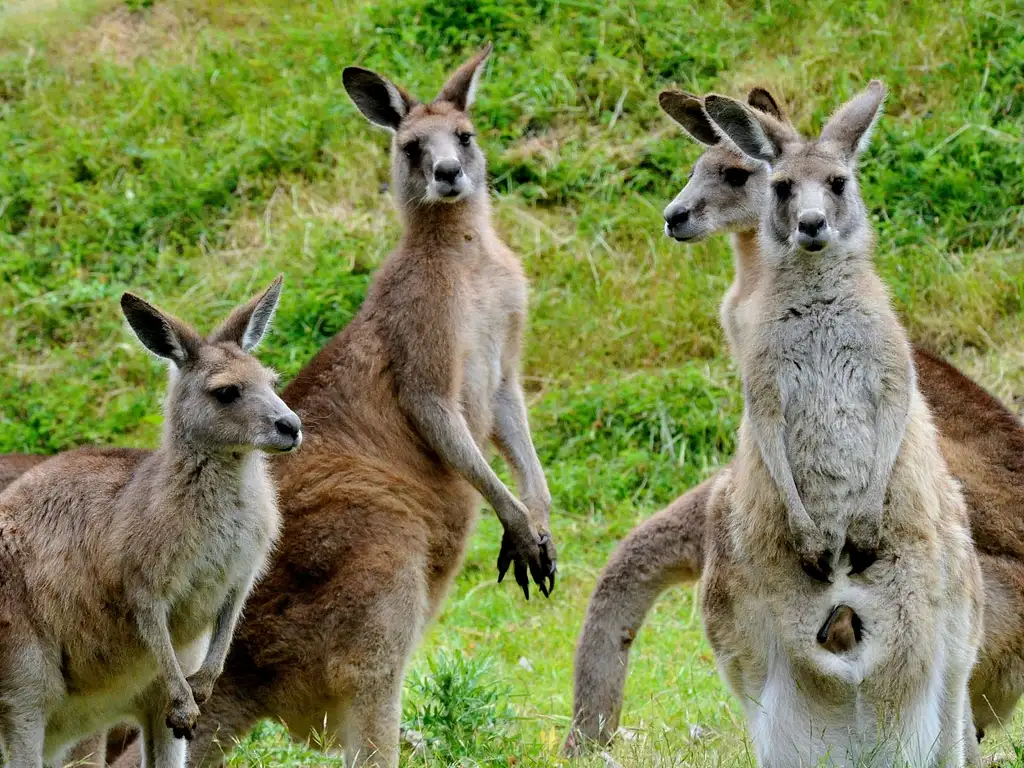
379,505
980,439
164,547
829,426
818,328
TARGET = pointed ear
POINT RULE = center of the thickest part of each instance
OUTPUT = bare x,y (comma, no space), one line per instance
247,324
687,110
460,89
758,135
164,335
382,102
762,100
849,129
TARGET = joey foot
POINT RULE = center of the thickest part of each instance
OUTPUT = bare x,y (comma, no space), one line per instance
841,631
536,558
182,716
201,684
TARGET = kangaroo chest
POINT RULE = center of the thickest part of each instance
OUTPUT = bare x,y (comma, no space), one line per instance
228,555
828,369
488,331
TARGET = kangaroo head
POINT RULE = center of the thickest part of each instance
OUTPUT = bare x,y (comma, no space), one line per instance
435,158
726,189
220,397
814,204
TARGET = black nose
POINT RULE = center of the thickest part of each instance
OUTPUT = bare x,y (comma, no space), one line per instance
447,171
811,224
677,218
289,426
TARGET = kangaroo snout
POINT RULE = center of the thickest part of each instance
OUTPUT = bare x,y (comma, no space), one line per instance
812,230
841,631
676,220
288,433
447,171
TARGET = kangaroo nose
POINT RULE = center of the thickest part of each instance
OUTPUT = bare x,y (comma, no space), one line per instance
811,223
289,426
447,171
677,218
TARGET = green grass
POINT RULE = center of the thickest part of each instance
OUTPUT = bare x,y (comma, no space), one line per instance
190,150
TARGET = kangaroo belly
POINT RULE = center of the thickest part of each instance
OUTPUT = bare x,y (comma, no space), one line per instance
83,712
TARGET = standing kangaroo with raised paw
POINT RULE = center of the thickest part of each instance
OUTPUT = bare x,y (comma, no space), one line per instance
872,664
125,571
399,407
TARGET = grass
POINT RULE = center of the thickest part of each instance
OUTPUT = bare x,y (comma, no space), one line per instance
190,150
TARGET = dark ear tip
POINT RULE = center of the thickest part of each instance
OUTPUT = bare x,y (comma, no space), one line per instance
129,302
714,104
673,97
669,94
352,75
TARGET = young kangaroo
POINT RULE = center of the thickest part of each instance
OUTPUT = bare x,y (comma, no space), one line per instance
981,441
126,570
814,329
379,505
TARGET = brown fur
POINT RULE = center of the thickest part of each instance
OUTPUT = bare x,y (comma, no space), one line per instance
13,465
379,505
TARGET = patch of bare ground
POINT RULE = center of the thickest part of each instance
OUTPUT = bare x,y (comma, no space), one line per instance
124,35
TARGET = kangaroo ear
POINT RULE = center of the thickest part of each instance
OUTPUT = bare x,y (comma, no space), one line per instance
164,335
247,325
460,89
757,134
382,102
687,110
849,129
762,100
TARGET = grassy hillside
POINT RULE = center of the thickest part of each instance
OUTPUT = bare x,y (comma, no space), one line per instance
191,150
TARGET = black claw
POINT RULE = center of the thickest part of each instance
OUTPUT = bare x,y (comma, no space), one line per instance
522,577
860,559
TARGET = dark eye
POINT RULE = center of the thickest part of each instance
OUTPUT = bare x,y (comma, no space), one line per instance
838,184
736,177
411,150
227,395
465,137
783,189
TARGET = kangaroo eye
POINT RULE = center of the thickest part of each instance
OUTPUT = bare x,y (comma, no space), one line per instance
227,395
411,150
736,177
783,189
464,138
838,184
